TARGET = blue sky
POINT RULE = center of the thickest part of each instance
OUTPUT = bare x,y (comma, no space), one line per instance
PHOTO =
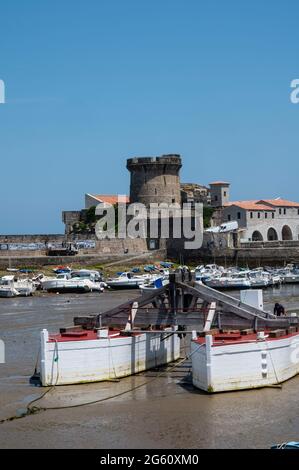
91,83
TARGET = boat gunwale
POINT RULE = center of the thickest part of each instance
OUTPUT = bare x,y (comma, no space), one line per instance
230,342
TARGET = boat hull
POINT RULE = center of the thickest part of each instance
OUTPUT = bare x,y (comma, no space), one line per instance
122,286
68,290
228,286
8,293
100,359
256,364
68,286
25,291
291,280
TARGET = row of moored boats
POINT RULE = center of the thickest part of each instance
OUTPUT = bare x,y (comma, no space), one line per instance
80,281
218,277
67,280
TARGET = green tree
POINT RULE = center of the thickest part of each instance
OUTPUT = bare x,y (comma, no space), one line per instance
207,215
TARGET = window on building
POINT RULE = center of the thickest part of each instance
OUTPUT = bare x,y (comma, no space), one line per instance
284,211
251,215
258,215
229,217
216,198
266,215
239,215
224,193
298,211
273,215
279,211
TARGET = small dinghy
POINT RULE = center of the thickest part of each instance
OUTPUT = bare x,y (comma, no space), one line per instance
152,285
287,445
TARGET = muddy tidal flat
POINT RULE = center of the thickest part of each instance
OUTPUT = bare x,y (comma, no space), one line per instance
163,413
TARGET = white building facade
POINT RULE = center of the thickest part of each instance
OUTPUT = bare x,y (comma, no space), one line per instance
264,220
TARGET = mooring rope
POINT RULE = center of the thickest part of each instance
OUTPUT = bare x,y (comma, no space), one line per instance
36,409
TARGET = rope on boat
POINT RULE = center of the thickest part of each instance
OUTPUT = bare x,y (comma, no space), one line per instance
276,376
36,409
118,394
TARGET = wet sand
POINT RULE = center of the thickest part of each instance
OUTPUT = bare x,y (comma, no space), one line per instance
165,413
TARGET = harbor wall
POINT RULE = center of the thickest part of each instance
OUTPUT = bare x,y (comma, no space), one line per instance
252,254
101,246
44,238
128,259
138,245
104,251
223,249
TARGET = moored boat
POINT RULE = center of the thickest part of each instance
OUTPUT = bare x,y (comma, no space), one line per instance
7,288
25,287
11,286
229,281
260,279
80,356
232,361
152,285
65,283
127,280
287,445
291,278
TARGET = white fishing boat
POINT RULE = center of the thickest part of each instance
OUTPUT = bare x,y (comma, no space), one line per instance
65,283
87,274
209,271
25,287
233,361
276,279
152,285
291,278
81,356
288,274
260,278
10,285
229,281
7,288
128,280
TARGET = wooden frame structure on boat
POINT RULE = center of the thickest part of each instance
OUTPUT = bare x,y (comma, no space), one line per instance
185,303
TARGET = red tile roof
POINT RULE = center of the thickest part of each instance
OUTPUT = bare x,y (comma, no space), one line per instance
250,205
110,198
263,204
216,183
279,202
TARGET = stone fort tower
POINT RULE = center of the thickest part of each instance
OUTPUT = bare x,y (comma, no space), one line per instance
155,179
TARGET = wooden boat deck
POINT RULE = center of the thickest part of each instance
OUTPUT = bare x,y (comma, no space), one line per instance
226,339
85,335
